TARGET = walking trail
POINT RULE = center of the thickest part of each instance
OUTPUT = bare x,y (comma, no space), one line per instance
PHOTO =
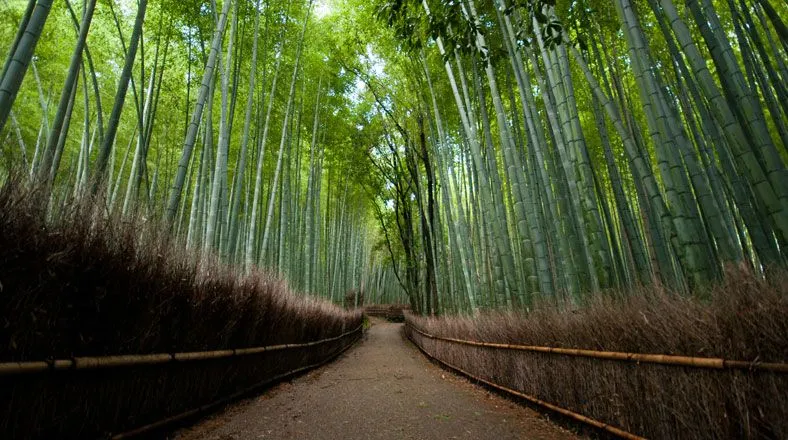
383,388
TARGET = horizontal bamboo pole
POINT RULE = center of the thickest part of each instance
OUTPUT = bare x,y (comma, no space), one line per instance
571,414
101,362
663,359
204,408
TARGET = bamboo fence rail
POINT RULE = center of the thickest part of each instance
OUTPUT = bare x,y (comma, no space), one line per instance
102,362
563,411
663,359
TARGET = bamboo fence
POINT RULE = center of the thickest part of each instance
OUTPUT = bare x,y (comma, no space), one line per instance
103,362
618,432
392,312
142,430
663,359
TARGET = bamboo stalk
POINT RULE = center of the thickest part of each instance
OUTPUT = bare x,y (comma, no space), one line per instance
663,359
571,414
103,362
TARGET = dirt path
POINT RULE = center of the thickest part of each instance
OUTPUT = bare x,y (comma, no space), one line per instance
383,388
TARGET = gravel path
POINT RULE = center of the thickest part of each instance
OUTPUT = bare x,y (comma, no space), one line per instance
383,388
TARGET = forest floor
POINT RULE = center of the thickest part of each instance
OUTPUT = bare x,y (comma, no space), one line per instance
383,388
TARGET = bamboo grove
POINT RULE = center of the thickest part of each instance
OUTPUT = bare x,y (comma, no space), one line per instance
547,150
215,118
457,154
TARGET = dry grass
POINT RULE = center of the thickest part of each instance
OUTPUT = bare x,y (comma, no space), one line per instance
82,285
745,319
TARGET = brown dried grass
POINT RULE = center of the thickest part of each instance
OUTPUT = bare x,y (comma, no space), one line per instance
744,319
85,285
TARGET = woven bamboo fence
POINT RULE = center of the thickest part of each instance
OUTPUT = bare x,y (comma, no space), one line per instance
664,359
635,383
128,395
392,312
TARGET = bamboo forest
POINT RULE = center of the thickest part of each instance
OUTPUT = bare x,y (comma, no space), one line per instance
507,177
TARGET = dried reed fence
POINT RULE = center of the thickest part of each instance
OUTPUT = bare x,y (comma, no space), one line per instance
80,291
153,427
664,359
563,411
391,312
96,399
592,365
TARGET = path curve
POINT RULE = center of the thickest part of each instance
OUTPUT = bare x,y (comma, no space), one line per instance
383,388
